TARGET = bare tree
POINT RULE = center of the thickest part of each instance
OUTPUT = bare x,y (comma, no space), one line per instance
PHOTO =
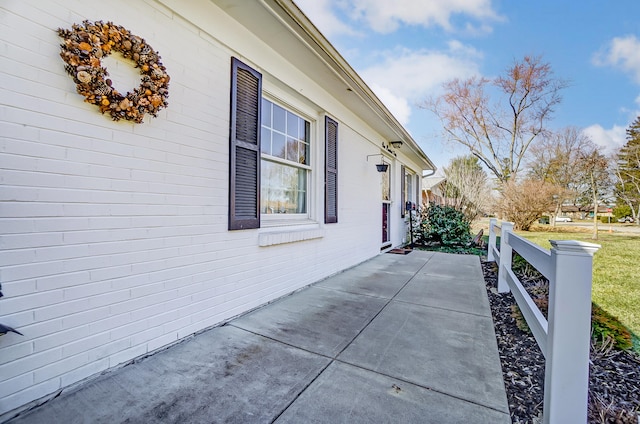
523,202
499,130
554,160
466,187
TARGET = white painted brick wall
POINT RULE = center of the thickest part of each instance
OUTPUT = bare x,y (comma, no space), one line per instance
114,236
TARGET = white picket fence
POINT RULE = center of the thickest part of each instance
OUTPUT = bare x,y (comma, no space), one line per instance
565,337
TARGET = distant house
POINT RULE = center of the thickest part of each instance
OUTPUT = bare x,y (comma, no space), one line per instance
584,212
433,190
257,179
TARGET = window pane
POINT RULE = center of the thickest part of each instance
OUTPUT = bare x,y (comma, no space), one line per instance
265,140
304,147
266,113
278,145
292,125
283,189
303,130
303,152
292,150
279,118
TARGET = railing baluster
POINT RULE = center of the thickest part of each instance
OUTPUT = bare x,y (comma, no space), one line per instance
506,256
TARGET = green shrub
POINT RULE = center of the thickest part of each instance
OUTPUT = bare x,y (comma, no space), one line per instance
605,326
443,225
622,211
606,219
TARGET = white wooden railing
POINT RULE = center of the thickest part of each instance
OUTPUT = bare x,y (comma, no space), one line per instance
565,337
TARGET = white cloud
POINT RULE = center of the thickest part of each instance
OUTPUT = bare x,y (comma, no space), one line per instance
405,77
414,74
321,14
608,139
622,53
386,16
399,106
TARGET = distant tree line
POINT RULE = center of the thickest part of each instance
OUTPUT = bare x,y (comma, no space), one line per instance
504,123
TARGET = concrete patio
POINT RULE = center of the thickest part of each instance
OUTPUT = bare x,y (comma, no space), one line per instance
397,339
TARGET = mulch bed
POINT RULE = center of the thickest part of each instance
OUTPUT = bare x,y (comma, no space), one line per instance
614,376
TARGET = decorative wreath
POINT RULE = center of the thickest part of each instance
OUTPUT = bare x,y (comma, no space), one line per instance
84,46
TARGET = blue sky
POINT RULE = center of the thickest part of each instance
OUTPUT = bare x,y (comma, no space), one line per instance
406,49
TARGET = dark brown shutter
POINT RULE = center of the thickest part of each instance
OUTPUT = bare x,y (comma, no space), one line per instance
331,171
418,202
244,147
403,181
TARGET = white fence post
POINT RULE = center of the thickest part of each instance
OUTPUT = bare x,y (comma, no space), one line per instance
506,255
567,361
492,240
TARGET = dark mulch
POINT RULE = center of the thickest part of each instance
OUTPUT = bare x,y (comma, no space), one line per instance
614,380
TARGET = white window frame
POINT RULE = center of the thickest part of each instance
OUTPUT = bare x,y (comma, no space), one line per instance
303,111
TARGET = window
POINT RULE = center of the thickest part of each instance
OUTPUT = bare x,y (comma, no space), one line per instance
284,161
410,189
270,157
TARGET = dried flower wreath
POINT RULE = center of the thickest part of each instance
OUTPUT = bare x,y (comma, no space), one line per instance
84,46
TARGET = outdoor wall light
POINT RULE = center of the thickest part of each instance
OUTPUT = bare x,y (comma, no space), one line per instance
396,144
382,166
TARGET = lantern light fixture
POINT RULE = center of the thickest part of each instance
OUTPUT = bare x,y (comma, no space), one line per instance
382,166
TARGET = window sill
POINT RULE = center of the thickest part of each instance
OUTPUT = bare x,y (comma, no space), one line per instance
294,232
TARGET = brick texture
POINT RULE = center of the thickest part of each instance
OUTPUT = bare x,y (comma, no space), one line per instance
114,236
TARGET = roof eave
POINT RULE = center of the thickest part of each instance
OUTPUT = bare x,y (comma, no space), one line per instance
357,85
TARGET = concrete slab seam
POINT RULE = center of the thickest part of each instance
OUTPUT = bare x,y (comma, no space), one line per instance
384,306
333,359
442,309
304,389
393,377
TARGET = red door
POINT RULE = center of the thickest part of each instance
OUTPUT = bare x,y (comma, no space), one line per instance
385,222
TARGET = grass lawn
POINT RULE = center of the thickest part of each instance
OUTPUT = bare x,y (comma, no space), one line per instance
616,271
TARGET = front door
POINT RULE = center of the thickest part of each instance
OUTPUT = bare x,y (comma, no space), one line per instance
385,223
385,184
